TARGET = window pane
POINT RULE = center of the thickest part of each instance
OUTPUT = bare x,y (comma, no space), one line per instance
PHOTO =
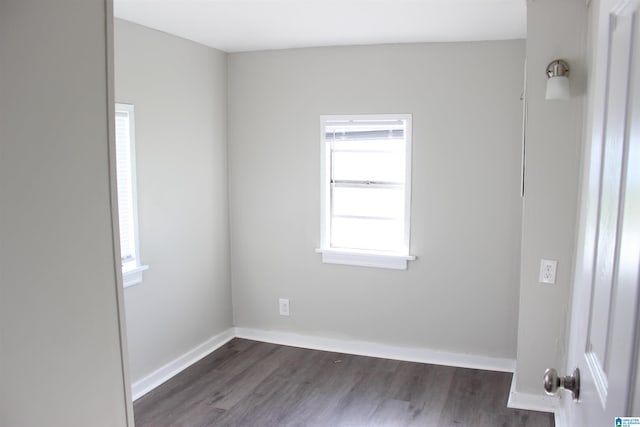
125,186
366,160
373,202
369,145
370,234
369,166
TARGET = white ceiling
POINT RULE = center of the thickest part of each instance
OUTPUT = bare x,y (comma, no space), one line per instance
245,25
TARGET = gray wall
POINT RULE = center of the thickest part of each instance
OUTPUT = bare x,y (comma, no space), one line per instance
179,91
60,351
461,295
555,29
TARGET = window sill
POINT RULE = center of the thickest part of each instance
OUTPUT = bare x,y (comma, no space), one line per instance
133,276
365,259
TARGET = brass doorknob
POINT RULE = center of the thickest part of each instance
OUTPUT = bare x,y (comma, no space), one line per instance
553,382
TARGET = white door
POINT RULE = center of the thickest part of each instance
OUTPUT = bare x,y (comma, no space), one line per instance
603,340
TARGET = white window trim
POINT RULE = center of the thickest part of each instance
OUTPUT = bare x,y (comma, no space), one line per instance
379,259
365,258
132,274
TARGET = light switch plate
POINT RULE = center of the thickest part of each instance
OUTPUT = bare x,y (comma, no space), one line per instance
548,269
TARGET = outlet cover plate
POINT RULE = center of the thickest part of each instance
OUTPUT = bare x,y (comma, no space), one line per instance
548,269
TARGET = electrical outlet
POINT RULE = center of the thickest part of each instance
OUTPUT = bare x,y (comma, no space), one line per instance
548,271
284,306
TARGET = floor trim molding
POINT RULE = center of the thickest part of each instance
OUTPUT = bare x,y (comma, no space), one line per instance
372,349
362,348
560,416
535,402
166,372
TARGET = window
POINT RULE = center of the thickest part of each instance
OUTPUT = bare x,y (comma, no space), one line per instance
127,204
366,188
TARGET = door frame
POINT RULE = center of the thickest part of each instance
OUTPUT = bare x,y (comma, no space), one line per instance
115,228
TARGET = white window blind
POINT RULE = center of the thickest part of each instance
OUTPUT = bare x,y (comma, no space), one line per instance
366,183
126,186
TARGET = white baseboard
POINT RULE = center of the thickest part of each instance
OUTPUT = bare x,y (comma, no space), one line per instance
362,348
166,372
561,417
365,348
535,402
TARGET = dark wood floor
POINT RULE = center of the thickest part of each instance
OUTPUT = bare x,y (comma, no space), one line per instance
249,383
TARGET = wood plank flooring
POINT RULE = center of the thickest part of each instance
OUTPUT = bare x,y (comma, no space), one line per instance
249,383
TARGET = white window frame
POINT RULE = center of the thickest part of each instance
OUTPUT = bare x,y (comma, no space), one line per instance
132,272
364,258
